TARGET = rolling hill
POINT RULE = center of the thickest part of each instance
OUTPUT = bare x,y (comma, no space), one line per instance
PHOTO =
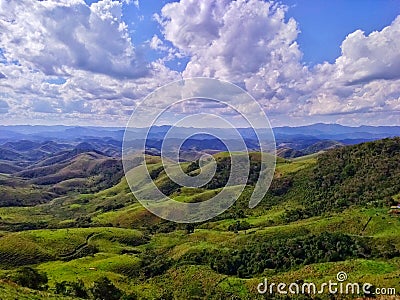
324,213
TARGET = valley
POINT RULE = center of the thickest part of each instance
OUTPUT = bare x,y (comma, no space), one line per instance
67,212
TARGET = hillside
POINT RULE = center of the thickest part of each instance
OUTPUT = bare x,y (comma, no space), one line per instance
366,174
102,170
324,213
77,170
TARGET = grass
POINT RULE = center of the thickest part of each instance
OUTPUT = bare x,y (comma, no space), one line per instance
11,291
23,196
294,165
36,246
193,197
134,215
90,268
378,273
120,247
23,214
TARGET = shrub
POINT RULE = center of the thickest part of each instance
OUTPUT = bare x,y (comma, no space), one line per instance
104,289
31,278
70,288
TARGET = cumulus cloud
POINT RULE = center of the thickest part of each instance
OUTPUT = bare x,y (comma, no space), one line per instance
373,57
364,79
252,44
69,60
56,37
247,42
66,59
231,39
157,44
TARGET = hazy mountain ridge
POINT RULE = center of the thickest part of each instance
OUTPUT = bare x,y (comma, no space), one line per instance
319,130
23,143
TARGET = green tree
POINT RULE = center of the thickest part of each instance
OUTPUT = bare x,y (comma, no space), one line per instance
104,289
189,228
31,278
70,288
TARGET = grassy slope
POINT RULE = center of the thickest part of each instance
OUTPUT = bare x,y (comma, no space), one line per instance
110,262
187,280
11,291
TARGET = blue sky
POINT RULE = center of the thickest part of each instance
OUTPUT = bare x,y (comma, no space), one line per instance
91,62
325,24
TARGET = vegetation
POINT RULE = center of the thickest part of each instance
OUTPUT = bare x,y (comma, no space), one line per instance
365,174
285,254
30,278
323,214
103,288
73,288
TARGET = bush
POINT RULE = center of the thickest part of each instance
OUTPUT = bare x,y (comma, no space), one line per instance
104,289
70,288
355,175
153,264
284,254
239,225
31,278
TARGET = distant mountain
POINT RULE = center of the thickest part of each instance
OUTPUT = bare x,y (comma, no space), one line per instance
6,154
25,144
319,130
340,132
321,145
58,133
25,151
79,165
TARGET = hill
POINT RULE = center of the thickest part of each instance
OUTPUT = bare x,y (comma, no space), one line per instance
79,170
323,214
366,174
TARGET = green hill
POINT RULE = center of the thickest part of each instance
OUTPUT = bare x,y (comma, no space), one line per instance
323,214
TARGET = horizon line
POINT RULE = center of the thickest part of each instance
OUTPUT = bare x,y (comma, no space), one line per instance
169,125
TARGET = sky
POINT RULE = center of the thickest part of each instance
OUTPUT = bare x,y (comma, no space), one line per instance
81,62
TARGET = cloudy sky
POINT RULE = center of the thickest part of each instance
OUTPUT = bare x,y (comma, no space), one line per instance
90,62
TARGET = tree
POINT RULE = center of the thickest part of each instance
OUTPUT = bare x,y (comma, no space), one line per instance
104,289
189,228
70,288
31,278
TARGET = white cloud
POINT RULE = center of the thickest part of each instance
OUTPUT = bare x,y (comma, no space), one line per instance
366,58
252,44
231,39
157,44
364,79
247,42
66,60
58,37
